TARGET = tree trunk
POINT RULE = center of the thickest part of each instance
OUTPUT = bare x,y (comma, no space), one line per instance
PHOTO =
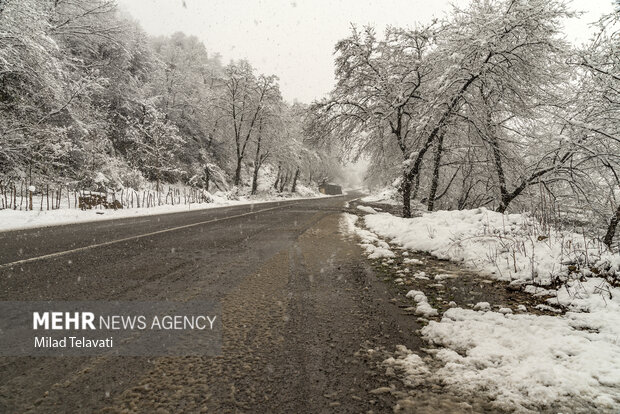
414,172
505,198
284,181
257,159
238,171
416,186
207,177
294,186
255,178
611,229
275,185
503,206
406,190
435,182
158,195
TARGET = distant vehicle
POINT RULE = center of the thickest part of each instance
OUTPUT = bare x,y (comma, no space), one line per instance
330,189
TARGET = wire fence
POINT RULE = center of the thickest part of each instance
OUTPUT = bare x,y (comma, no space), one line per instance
21,196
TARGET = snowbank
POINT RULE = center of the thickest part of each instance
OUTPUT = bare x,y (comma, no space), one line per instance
374,247
388,195
410,364
531,362
367,209
510,247
522,362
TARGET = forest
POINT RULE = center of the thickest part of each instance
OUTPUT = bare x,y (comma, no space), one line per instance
489,107
89,101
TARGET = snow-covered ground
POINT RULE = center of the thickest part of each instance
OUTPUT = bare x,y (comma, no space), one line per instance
388,195
529,361
507,246
375,247
524,362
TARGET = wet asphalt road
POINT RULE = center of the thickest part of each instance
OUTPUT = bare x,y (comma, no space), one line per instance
298,304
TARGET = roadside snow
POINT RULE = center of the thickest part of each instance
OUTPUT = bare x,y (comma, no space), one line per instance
367,209
530,362
511,247
423,308
522,362
374,247
386,196
16,219
410,364
482,306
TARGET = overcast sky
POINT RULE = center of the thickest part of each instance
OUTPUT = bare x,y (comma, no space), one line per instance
295,39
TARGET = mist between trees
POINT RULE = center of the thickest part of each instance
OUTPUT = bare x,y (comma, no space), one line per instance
90,102
487,107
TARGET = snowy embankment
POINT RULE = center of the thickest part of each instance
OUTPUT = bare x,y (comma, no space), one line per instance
523,362
507,246
19,219
388,195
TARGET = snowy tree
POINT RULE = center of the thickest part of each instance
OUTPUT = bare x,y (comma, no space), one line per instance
157,145
379,93
515,52
244,100
594,119
413,87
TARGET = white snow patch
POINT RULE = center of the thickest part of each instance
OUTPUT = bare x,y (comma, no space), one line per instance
482,306
413,367
538,291
509,246
421,275
527,361
386,196
374,247
367,209
547,308
423,307
530,361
